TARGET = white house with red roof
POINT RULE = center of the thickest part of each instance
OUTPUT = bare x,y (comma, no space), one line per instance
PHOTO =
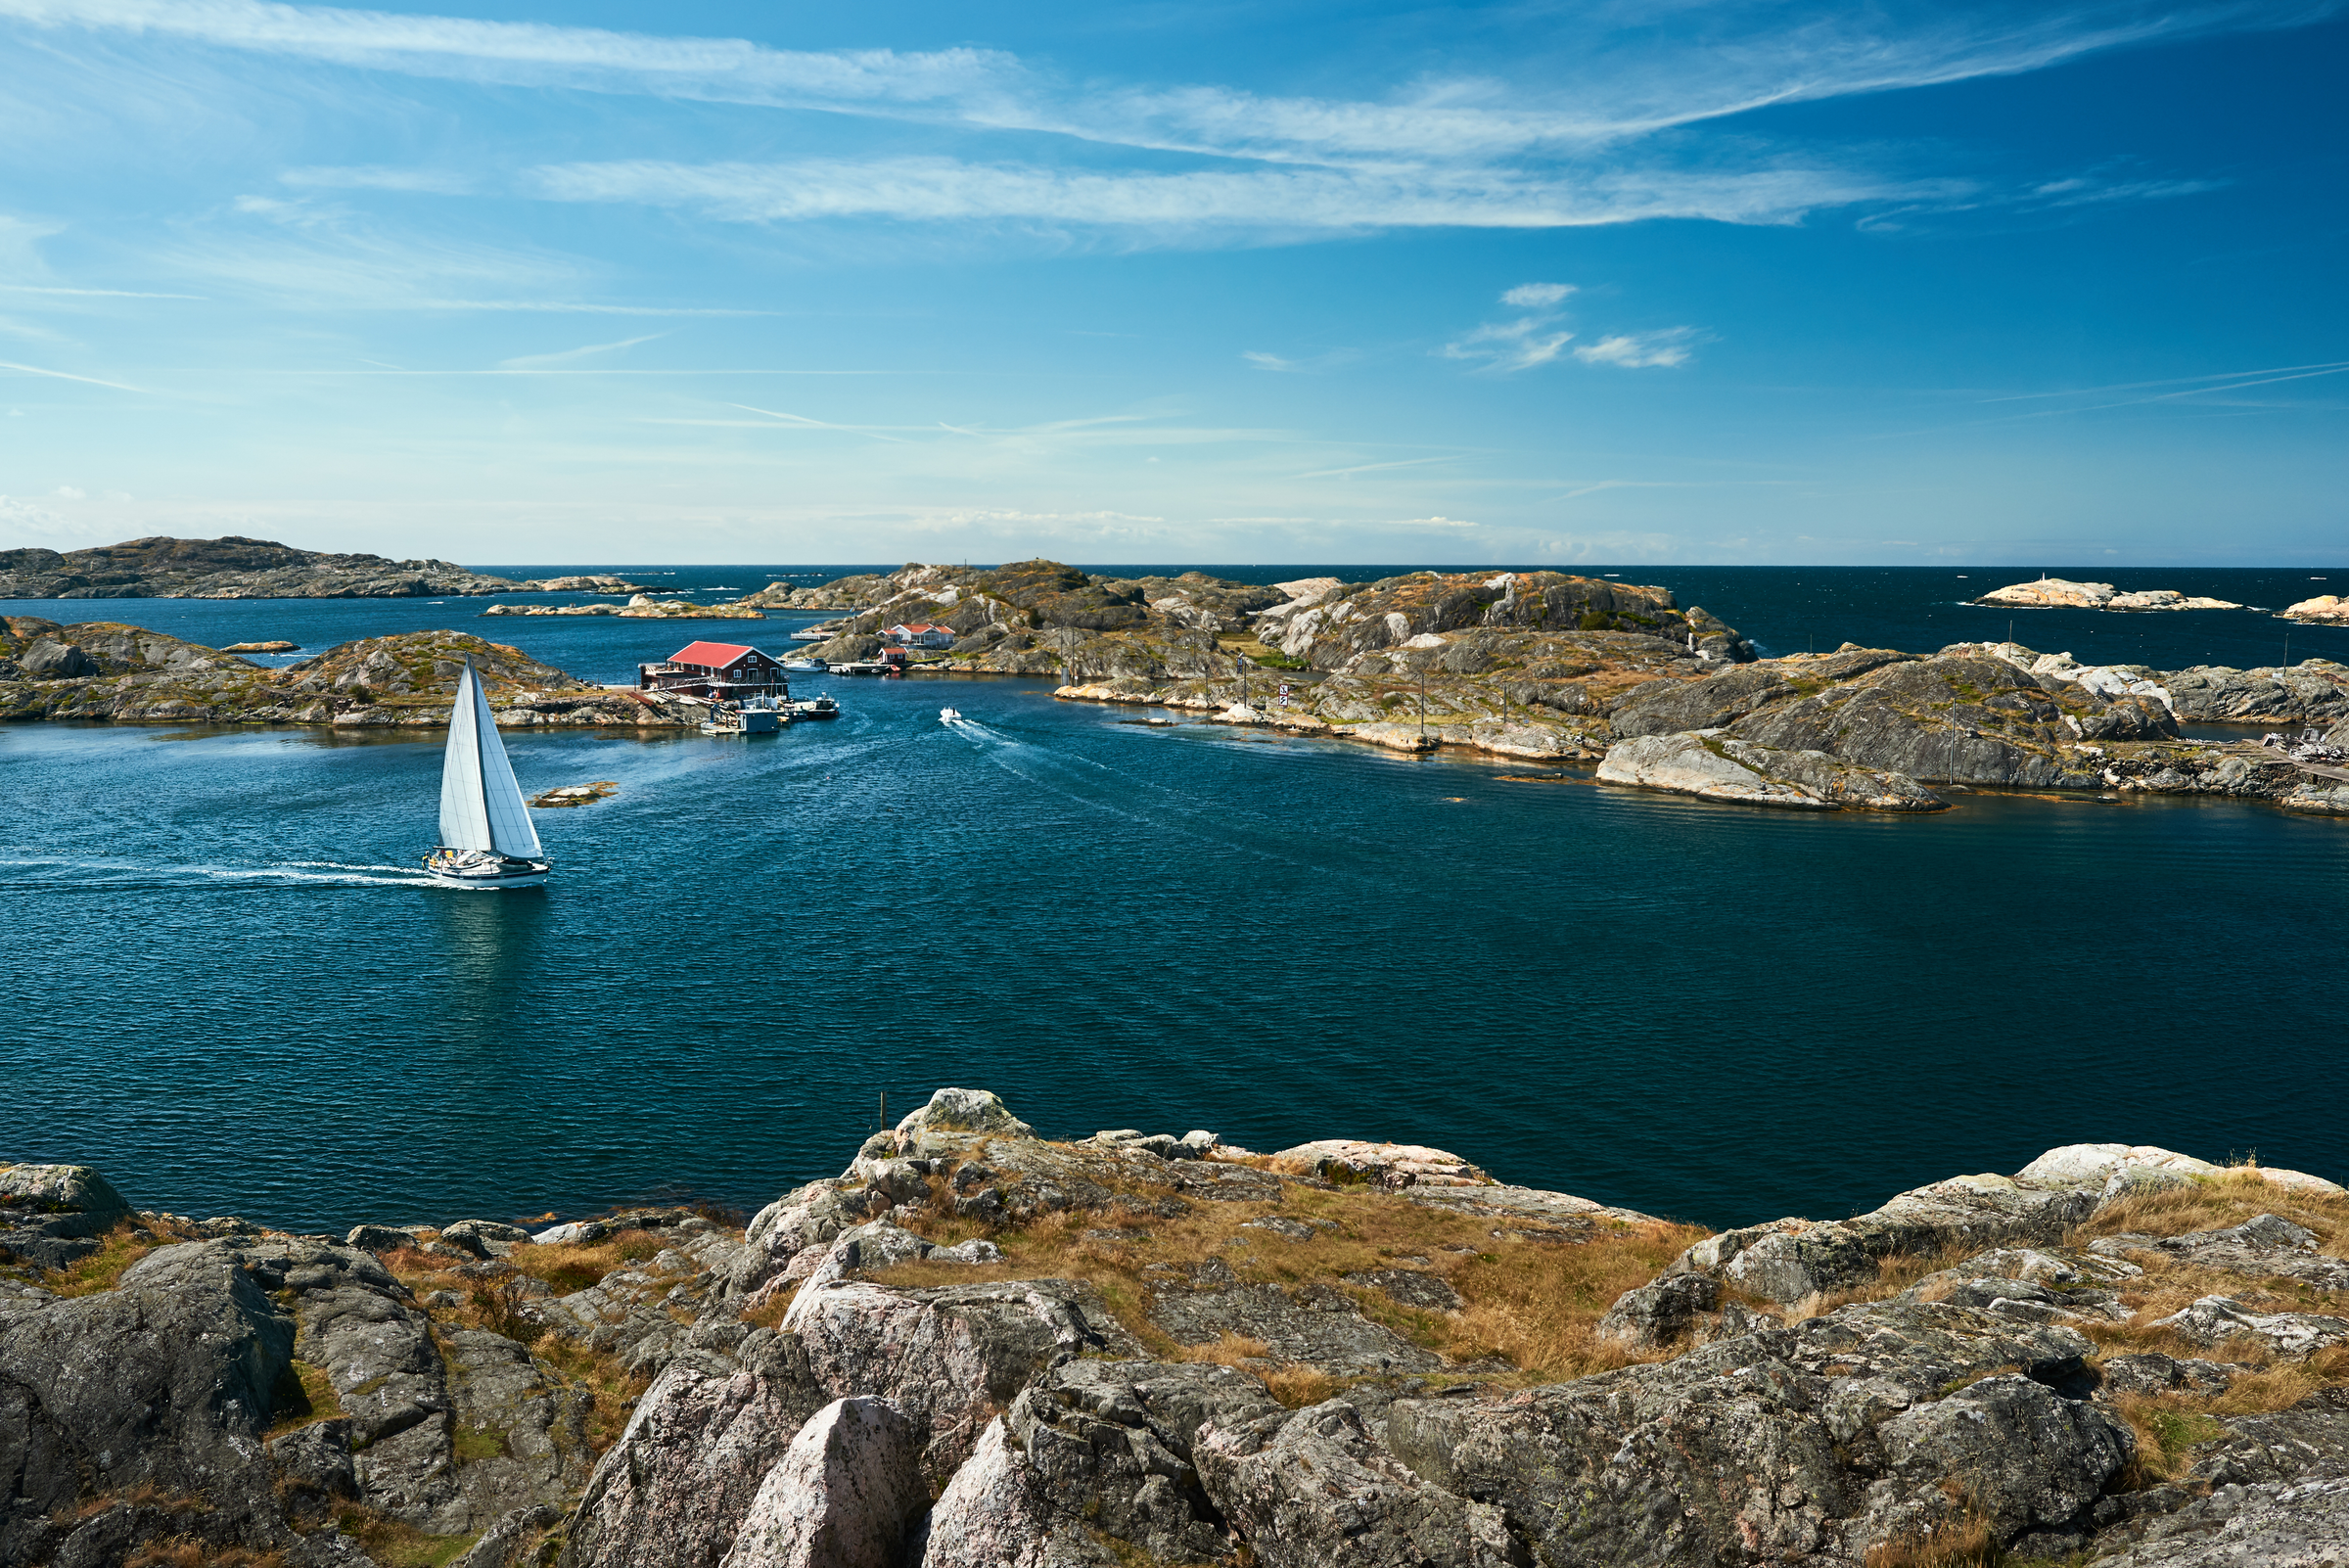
721,670
920,635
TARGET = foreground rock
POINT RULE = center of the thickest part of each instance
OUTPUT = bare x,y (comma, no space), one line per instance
107,671
50,1216
1805,1444
1241,1360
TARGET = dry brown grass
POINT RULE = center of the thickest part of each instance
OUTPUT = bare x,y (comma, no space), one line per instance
1531,1302
2217,1203
495,1305
1965,1542
614,1390
182,1552
2168,1425
566,1268
125,1244
1299,1387
145,1495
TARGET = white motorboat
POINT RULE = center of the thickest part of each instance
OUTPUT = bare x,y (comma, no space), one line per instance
947,715
813,666
487,837
813,708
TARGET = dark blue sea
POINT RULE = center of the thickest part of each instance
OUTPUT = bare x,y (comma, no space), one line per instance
226,989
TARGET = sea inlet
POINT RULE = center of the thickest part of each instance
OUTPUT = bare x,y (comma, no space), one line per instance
229,991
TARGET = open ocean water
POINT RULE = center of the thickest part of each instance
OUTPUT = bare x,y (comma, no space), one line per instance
228,991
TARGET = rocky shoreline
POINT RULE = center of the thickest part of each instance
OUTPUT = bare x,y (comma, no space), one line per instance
980,1348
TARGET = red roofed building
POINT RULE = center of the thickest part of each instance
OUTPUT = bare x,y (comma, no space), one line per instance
722,670
921,634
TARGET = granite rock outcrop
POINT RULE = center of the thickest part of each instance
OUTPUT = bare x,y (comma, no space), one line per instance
980,1348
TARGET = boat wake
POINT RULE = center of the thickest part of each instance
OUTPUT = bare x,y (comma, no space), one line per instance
119,874
1147,803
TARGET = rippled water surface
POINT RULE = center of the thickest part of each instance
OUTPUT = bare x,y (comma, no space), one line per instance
227,991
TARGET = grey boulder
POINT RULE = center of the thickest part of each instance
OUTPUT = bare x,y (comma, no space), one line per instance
843,1495
1312,1489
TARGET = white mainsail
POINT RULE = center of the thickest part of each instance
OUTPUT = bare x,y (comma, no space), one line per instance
481,804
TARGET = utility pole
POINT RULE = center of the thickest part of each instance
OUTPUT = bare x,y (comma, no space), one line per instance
1423,705
1239,664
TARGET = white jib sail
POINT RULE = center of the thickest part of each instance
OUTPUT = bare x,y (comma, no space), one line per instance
481,804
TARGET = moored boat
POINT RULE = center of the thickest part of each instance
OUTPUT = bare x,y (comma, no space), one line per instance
487,837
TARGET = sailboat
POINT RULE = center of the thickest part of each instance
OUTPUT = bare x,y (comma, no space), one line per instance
487,837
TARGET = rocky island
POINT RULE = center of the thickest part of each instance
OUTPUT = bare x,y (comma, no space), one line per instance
980,1347
102,669
236,568
2059,593
641,607
1554,667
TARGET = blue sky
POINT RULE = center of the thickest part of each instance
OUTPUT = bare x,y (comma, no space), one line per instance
1523,283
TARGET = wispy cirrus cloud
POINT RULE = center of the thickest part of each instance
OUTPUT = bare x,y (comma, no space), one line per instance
1556,126
1524,342
1541,335
1276,201
371,177
1590,82
63,375
1638,350
572,356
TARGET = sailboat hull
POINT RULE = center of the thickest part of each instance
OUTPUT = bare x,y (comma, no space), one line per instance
484,872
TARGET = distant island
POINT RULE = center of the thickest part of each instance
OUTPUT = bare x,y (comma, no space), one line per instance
2061,593
236,568
1543,666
